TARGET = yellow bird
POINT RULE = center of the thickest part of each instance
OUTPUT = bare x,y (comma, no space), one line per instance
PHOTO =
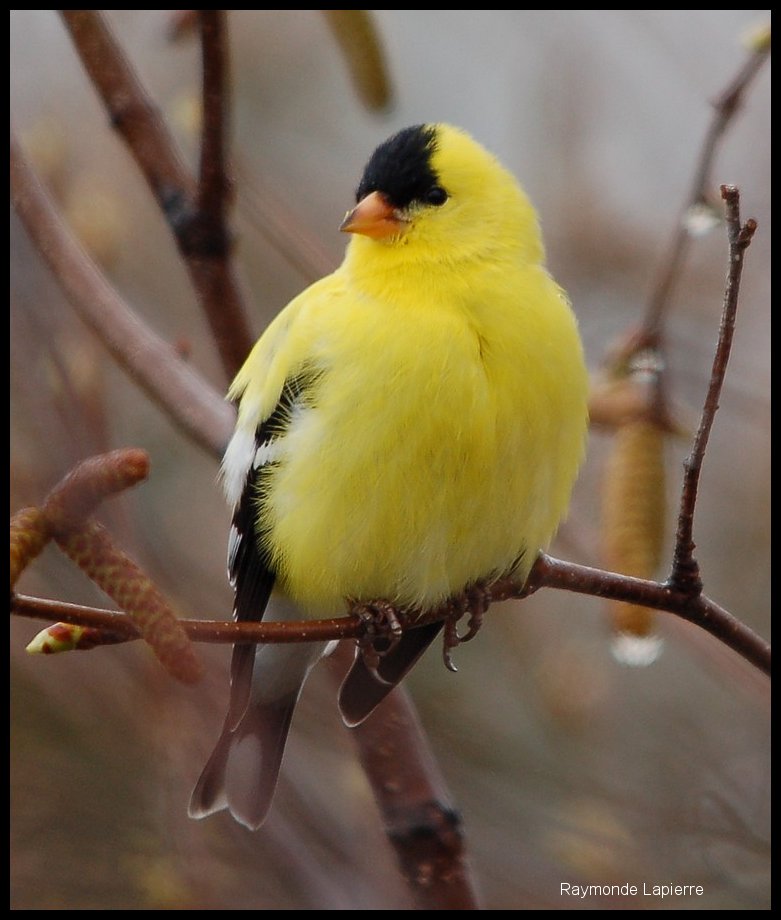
408,426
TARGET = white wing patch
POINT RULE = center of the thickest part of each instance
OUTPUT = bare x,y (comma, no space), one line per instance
245,454
236,464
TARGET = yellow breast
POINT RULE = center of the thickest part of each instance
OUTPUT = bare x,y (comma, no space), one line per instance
440,444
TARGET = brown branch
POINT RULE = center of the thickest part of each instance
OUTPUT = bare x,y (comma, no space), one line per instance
422,824
547,572
188,401
208,240
132,112
685,570
700,610
213,184
202,243
210,631
726,105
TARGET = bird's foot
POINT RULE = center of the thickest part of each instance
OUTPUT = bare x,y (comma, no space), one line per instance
383,630
475,599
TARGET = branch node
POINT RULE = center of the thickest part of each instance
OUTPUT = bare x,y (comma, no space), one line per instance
685,577
198,235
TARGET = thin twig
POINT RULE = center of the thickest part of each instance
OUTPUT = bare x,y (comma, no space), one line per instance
547,572
685,570
651,335
212,631
726,105
700,610
186,398
203,246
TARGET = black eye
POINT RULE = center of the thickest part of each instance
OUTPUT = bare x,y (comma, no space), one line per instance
436,195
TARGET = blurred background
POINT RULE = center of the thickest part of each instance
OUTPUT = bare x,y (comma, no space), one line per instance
566,766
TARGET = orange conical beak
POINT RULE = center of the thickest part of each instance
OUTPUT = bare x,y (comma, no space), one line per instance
374,216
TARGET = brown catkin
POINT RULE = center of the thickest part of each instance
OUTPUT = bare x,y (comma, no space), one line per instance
29,534
92,549
76,496
357,36
633,514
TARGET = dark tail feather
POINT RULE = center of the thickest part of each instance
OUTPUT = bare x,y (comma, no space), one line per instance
362,691
242,772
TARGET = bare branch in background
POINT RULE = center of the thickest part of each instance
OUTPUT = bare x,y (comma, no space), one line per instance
726,106
202,242
213,184
418,816
185,397
632,398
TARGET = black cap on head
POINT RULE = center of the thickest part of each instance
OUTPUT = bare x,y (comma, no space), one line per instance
400,167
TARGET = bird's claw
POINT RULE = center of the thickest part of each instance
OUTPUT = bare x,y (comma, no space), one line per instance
383,629
476,599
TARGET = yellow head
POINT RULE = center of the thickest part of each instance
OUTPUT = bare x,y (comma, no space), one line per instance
432,193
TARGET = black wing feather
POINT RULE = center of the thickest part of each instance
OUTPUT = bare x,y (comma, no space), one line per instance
253,579
250,566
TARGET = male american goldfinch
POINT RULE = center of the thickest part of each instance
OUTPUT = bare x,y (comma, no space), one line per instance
407,427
